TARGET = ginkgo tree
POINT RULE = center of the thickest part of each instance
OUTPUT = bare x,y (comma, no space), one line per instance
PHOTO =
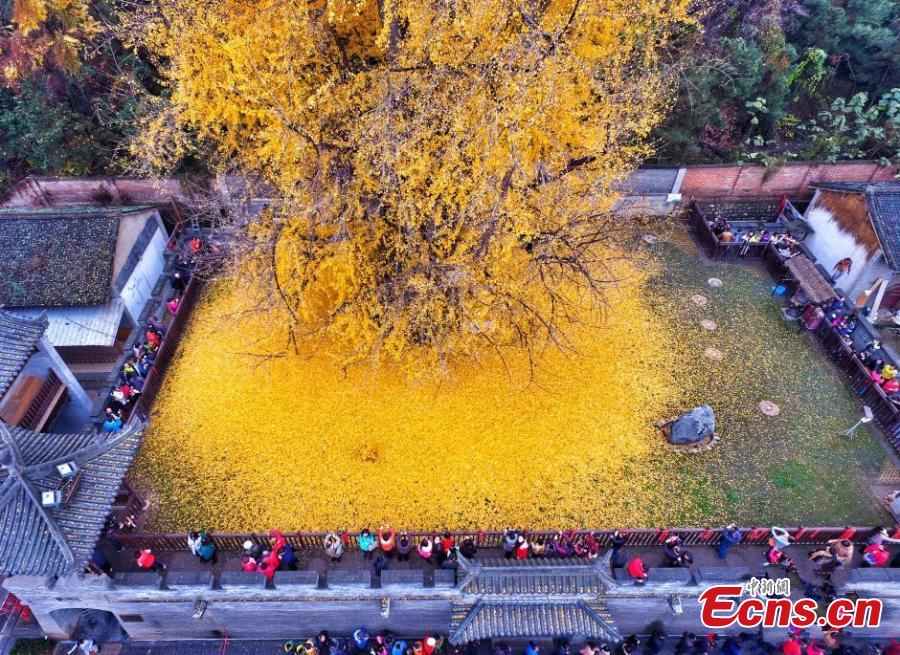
444,169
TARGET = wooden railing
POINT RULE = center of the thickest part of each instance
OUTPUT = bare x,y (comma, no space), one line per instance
47,395
719,251
493,539
167,349
859,379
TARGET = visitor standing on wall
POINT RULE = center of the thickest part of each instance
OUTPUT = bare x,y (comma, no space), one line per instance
637,570
193,543
618,557
146,561
288,558
731,536
386,541
206,550
380,564
366,543
467,548
521,548
425,549
404,548
334,547
672,550
510,539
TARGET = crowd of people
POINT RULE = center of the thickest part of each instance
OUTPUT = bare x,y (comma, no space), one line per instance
133,373
385,545
884,374
257,559
361,642
786,244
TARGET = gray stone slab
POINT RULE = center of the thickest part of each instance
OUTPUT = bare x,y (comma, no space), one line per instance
667,574
241,579
401,577
296,578
873,575
659,581
349,577
710,575
443,579
184,580
134,579
874,582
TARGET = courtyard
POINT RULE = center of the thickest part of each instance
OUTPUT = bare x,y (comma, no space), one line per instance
263,437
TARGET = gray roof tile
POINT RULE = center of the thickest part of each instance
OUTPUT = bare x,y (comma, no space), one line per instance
489,619
56,259
884,211
19,339
39,541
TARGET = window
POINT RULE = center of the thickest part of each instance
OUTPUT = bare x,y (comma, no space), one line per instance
132,618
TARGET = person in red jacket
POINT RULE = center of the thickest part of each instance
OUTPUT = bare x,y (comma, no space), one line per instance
386,541
521,548
248,564
146,561
271,559
268,565
792,646
153,338
637,570
876,555
279,542
447,542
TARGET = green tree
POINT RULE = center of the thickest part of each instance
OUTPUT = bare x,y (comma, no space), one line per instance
41,134
860,37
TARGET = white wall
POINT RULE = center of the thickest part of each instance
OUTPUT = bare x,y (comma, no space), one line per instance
139,287
830,244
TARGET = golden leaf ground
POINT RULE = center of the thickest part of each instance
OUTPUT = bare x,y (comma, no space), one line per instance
238,443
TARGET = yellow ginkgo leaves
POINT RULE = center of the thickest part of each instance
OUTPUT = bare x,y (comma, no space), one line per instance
241,441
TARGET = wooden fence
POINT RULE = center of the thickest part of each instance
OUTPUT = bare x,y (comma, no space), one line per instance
858,378
493,539
854,372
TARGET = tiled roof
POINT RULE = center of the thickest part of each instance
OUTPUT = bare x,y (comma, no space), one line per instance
19,338
884,211
56,259
87,325
534,577
509,619
883,202
35,540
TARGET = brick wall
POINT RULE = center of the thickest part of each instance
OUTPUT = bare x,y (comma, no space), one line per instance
792,180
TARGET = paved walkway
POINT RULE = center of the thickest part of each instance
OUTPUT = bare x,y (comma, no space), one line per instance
704,556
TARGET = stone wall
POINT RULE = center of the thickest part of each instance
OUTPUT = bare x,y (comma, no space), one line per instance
300,604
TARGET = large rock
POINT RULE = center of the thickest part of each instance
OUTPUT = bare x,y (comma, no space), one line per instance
694,426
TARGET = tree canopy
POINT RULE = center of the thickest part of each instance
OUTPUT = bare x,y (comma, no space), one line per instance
444,169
